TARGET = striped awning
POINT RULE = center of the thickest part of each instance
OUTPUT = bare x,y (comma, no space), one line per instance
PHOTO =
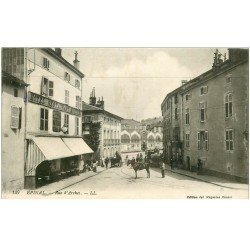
51,148
77,145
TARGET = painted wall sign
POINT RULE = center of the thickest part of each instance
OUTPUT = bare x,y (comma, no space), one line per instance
44,101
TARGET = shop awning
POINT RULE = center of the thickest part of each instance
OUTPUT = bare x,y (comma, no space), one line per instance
77,145
52,148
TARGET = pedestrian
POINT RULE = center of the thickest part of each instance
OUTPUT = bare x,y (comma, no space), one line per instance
94,168
163,167
106,162
172,163
199,166
133,162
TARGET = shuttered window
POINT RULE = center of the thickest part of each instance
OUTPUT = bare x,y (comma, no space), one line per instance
56,121
229,105
229,140
44,117
14,121
66,122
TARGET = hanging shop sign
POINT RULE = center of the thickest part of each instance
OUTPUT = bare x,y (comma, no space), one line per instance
44,101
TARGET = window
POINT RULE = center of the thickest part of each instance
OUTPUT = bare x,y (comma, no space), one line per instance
187,116
176,114
77,125
78,102
202,140
15,92
45,63
176,133
47,88
206,139
229,140
204,90
66,122
168,104
14,121
51,88
176,99
198,140
188,97
67,76
228,105
88,119
202,111
187,140
228,79
44,117
66,96
56,121
77,83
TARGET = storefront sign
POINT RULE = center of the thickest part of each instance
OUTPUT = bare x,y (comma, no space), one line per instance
44,101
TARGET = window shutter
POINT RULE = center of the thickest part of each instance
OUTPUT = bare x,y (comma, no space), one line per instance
20,118
51,88
14,122
44,62
205,111
47,64
198,140
42,84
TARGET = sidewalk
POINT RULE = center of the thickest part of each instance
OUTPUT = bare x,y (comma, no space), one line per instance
207,178
64,183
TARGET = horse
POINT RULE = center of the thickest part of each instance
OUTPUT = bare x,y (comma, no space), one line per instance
137,166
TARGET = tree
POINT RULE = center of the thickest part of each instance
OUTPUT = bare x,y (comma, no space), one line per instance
93,138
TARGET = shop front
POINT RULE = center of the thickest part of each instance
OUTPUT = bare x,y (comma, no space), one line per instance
53,158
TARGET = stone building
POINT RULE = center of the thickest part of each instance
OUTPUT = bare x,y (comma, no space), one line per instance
207,118
137,136
52,111
110,130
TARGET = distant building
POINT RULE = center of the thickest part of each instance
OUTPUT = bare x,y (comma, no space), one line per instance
110,131
131,135
207,118
137,136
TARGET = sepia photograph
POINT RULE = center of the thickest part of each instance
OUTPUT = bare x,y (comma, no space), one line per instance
124,123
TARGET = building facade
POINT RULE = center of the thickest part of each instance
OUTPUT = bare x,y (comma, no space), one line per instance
110,126
207,118
137,136
13,136
52,111
131,136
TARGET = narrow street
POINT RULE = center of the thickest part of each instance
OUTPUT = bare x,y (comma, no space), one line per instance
121,183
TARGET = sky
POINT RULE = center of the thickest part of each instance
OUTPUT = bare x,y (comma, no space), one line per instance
135,81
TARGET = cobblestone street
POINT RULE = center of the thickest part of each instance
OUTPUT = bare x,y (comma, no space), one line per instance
121,183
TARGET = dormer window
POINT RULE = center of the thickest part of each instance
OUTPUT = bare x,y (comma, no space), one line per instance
77,83
45,63
229,79
204,90
67,76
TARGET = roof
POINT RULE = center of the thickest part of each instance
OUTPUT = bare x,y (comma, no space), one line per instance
130,122
200,79
88,109
13,80
63,61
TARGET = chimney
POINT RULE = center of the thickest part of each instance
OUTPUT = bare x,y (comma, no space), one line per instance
58,51
102,103
76,62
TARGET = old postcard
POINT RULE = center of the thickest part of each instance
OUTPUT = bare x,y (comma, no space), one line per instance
96,123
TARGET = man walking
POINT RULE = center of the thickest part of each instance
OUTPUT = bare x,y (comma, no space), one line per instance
163,167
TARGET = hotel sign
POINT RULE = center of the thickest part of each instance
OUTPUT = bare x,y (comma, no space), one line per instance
44,101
